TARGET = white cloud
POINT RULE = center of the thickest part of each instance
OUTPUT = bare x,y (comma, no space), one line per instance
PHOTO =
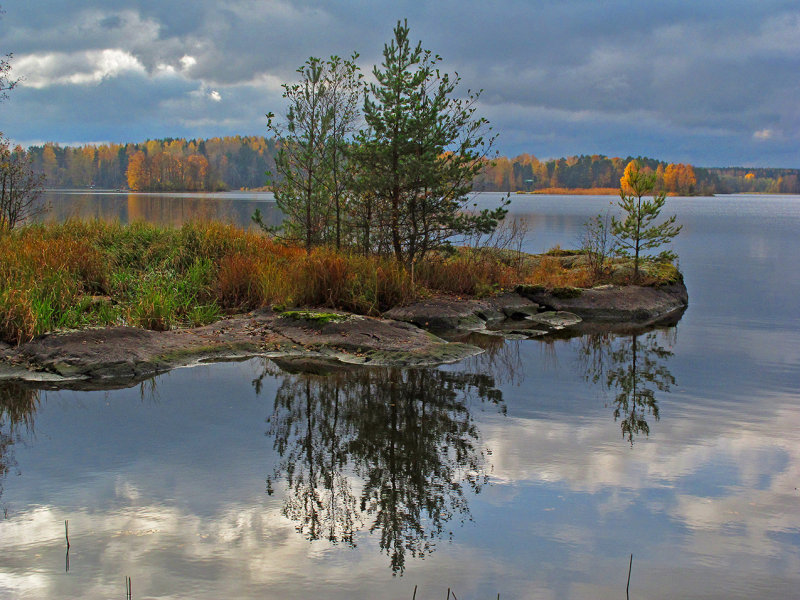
79,68
187,62
165,69
214,95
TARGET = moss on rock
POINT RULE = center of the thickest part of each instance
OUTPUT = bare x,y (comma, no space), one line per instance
321,318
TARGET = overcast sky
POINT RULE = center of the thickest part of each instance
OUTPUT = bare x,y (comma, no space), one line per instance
715,83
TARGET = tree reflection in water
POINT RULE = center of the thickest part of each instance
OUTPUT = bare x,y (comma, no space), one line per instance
405,438
18,404
634,366
500,357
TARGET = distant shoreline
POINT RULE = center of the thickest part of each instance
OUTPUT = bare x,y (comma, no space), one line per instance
552,191
540,192
586,192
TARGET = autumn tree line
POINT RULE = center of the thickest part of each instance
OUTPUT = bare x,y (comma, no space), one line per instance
169,164
527,173
236,162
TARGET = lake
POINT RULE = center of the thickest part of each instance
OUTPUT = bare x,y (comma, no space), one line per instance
173,209
534,470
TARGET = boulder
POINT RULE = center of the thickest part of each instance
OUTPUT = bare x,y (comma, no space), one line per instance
446,313
440,314
614,304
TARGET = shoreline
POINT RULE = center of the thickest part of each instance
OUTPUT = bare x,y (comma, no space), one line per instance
411,336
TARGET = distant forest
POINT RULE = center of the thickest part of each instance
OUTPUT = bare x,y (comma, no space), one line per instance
242,162
159,165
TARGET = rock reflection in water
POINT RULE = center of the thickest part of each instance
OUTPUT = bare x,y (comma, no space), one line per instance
633,366
407,436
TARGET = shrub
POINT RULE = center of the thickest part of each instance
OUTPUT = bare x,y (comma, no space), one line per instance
597,244
550,272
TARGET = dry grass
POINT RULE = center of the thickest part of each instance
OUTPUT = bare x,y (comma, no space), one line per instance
89,273
552,272
352,282
45,282
469,272
76,274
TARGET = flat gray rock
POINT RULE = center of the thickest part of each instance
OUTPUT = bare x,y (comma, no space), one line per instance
555,319
439,314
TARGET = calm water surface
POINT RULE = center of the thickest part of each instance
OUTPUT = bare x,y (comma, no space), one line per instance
534,470
173,209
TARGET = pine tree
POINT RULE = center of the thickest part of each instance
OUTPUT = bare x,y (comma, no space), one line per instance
418,154
638,232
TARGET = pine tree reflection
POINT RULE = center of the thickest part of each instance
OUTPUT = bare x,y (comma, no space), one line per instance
18,404
407,436
634,366
310,430
500,357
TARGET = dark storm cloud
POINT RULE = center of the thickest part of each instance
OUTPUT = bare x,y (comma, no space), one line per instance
700,81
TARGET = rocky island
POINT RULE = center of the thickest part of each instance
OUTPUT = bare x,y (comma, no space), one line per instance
422,333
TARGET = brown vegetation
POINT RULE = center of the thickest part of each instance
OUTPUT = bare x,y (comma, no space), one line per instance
80,274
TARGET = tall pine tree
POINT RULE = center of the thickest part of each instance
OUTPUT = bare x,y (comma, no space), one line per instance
417,157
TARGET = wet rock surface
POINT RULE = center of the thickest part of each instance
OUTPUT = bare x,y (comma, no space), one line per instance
555,319
614,304
113,355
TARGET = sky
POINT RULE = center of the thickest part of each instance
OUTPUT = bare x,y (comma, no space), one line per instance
707,82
